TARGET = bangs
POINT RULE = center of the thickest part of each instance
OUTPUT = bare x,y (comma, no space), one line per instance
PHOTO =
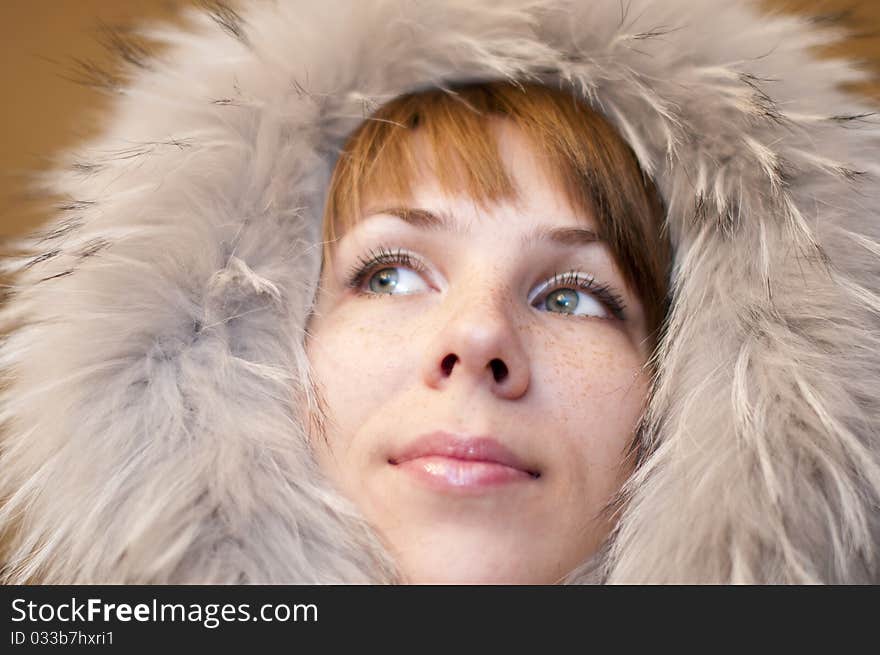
580,152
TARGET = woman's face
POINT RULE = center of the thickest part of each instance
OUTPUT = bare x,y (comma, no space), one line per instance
477,417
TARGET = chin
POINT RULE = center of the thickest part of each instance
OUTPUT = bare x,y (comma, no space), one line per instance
476,567
473,575
469,548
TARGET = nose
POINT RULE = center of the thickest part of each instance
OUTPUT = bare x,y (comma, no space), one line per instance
478,345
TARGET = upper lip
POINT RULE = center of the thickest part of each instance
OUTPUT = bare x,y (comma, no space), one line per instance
458,446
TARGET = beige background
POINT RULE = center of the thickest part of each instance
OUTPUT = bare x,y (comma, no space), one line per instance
43,111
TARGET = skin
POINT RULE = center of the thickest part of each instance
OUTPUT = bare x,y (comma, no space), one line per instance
569,405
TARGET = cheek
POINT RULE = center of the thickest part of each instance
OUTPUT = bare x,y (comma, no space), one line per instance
592,379
360,359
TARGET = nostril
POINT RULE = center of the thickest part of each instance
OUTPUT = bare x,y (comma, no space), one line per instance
447,363
499,369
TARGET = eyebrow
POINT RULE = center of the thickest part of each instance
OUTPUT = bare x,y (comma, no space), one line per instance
442,222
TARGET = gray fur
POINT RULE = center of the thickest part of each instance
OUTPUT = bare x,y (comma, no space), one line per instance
154,363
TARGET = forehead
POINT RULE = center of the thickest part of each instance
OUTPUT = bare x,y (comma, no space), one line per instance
538,198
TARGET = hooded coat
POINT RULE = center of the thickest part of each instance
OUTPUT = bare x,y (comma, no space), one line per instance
153,336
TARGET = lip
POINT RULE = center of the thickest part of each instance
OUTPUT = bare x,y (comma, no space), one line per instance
450,461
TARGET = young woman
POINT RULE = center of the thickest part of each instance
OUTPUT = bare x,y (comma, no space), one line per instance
529,292
494,391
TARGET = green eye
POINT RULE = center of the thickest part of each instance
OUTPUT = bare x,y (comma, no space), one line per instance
393,281
576,294
574,303
384,280
388,273
564,300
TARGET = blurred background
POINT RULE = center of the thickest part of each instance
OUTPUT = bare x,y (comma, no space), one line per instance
49,47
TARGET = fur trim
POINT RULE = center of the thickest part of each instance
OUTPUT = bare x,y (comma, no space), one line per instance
154,346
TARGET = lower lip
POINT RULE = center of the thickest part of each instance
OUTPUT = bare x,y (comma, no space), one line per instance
451,474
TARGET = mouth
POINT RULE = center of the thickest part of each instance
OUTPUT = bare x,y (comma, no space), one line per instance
448,461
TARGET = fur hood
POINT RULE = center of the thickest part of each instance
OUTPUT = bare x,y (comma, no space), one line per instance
153,337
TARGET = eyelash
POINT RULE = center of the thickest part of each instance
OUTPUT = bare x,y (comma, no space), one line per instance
572,279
